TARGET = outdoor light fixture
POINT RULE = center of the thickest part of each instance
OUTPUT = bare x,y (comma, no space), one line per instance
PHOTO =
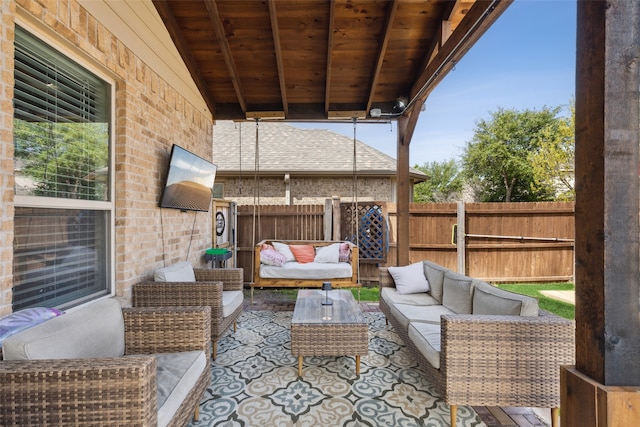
398,109
401,104
326,286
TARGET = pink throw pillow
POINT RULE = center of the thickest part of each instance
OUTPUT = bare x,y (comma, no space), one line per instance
303,253
345,253
267,246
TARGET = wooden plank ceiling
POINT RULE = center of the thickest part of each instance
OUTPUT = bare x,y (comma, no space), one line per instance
321,59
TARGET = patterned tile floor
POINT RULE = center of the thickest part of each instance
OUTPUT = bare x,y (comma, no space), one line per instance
268,300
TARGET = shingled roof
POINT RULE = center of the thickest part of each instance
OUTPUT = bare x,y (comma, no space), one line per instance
283,148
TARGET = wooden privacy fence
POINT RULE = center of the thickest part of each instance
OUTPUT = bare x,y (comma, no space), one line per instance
497,242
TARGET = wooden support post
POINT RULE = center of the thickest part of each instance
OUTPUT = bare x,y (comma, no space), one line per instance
587,403
604,388
461,242
607,198
403,192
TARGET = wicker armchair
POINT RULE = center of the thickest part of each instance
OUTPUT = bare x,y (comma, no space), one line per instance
113,391
209,290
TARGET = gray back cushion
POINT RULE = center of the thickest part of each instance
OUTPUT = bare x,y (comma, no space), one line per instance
488,299
95,330
435,276
457,292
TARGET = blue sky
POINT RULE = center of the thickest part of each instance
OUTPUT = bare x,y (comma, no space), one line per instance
526,60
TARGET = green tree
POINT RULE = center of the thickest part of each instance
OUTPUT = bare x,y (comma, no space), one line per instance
444,184
496,162
553,163
63,159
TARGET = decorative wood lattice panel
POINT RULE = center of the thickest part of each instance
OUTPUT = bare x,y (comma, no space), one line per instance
368,221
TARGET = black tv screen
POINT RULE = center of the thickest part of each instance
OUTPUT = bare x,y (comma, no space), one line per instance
189,183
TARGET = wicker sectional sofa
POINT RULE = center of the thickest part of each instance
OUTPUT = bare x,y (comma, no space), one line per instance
108,366
479,345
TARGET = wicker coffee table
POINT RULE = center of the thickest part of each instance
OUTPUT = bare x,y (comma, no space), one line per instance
339,329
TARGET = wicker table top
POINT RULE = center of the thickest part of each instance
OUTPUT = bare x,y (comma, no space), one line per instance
309,308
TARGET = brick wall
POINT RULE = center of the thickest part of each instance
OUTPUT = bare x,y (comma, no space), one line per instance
150,115
306,191
7,12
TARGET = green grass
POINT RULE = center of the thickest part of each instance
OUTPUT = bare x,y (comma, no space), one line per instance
560,308
367,294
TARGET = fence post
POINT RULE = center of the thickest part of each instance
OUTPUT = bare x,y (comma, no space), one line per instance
327,220
460,238
335,200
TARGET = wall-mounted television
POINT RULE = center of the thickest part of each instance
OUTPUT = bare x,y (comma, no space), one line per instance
189,183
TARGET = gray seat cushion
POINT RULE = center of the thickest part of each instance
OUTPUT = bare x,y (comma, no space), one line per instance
435,276
426,338
231,300
457,292
406,313
176,375
488,299
391,296
93,330
179,272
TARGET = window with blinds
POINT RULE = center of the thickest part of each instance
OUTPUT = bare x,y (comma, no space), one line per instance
62,121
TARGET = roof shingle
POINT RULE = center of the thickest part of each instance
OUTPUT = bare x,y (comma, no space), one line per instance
283,148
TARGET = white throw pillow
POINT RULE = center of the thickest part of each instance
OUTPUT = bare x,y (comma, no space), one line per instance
328,254
283,248
410,279
180,272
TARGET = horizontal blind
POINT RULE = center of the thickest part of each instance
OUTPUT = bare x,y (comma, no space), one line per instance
59,256
61,126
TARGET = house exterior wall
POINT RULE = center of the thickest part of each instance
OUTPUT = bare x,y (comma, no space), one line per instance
305,191
150,115
7,13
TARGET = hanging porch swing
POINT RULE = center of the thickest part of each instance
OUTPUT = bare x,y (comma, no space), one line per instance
298,263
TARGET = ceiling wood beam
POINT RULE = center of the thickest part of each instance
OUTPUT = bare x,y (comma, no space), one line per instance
393,7
165,12
437,42
479,18
214,16
327,87
273,16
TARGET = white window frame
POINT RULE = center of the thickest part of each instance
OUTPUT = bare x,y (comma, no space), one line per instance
55,43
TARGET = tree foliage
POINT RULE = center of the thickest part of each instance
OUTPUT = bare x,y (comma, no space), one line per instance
553,164
497,161
63,159
444,184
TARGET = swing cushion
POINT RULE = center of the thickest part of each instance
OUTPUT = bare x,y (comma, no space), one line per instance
306,271
324,263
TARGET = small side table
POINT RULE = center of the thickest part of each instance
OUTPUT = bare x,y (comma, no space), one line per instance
218,257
